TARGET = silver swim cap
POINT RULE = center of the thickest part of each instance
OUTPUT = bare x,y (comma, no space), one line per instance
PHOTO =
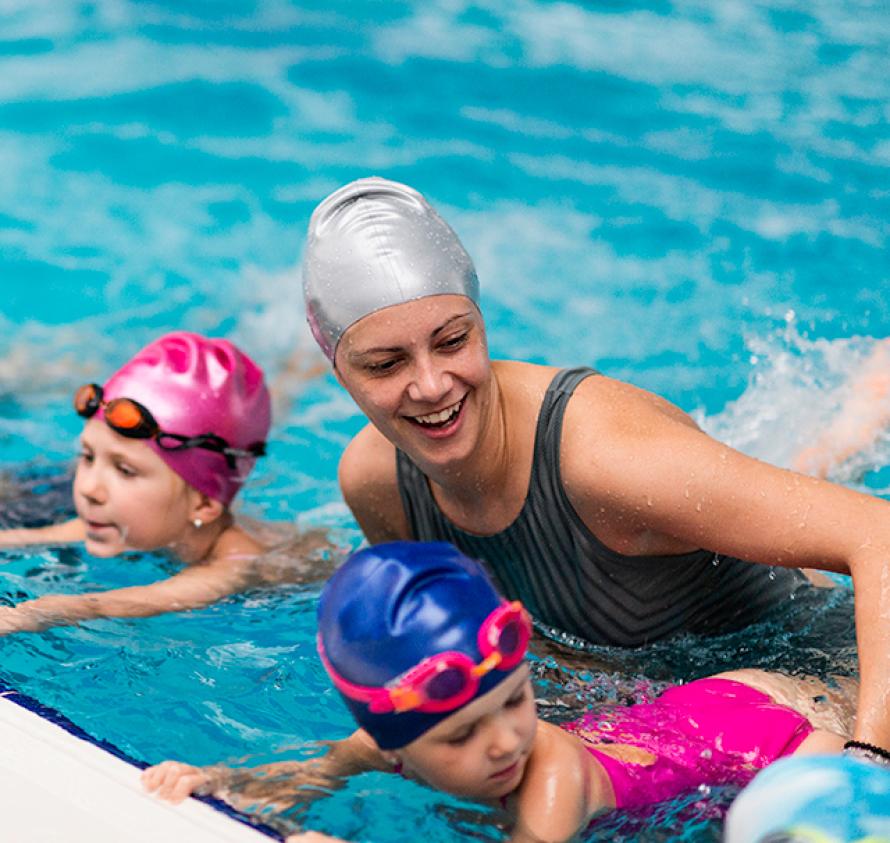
372,244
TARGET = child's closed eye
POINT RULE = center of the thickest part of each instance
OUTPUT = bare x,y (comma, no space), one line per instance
125,469
516,699
461,737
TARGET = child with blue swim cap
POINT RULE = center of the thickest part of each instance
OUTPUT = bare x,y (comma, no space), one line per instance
429,659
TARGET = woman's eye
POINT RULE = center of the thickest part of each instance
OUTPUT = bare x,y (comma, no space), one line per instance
455,342
85,456
126,470
382,367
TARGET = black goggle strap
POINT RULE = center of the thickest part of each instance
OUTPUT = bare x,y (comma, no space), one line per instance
211,442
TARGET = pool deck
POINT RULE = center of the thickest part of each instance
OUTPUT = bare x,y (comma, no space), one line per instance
60,786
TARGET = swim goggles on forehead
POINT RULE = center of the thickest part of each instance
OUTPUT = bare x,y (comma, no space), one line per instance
131,419
447,680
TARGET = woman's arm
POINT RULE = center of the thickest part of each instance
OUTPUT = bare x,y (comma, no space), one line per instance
632,460
282,783
64,533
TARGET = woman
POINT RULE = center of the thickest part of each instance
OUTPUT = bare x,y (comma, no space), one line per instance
601,506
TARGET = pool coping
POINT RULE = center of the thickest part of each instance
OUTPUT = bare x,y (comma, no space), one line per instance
63,739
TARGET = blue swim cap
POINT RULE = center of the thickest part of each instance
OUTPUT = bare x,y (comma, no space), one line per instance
389,607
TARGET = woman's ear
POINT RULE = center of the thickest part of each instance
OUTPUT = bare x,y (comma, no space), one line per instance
338,376
204,509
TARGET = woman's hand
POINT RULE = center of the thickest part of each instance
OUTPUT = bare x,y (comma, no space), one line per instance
173,781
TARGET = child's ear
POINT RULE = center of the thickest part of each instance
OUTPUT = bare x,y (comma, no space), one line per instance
205,509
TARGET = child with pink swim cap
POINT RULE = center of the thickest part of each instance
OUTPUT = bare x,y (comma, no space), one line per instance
429,659
167,443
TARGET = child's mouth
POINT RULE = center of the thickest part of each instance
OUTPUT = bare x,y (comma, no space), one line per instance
98,527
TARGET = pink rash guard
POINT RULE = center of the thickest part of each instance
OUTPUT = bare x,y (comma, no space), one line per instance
711,731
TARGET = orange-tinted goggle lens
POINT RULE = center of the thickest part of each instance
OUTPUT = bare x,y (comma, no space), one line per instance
88,399
126,416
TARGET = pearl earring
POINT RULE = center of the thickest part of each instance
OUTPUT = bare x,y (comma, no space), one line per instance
198,523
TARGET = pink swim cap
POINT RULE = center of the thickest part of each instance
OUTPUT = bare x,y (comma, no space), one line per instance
194,385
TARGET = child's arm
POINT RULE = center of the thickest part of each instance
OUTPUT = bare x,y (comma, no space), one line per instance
64,533
561,790
193,588
285,782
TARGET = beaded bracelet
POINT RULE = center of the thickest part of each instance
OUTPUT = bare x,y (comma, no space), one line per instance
868,752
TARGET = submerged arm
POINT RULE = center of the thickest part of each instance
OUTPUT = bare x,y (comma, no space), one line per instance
193,588
282,783
64,533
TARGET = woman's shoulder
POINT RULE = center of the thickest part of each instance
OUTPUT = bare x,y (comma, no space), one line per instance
368,481
369,457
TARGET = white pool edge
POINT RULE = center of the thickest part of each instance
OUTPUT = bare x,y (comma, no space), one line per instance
57,785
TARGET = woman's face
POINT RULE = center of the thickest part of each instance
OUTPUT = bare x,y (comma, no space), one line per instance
126,495
480,751
421,374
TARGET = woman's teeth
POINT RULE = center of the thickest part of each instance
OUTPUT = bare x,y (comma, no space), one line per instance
441,417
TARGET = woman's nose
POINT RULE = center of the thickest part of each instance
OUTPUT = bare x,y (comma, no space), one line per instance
429,383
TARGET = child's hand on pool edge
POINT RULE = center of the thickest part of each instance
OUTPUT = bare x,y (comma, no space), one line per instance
173,781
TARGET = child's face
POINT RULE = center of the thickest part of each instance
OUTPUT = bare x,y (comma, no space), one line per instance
482,750
127,496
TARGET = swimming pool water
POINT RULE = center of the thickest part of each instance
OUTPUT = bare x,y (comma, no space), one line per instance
690,196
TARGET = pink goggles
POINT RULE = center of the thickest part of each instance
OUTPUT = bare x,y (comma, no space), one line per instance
447,680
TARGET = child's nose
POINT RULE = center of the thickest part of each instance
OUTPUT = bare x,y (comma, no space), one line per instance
505,738
89,484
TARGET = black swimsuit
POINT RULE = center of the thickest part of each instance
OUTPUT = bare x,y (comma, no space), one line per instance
571,582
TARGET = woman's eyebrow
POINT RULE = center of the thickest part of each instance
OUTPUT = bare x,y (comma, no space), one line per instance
447,322
355,355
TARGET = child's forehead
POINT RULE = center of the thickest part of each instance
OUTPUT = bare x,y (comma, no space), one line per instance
97,436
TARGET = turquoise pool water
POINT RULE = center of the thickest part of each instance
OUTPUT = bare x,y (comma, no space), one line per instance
691,196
